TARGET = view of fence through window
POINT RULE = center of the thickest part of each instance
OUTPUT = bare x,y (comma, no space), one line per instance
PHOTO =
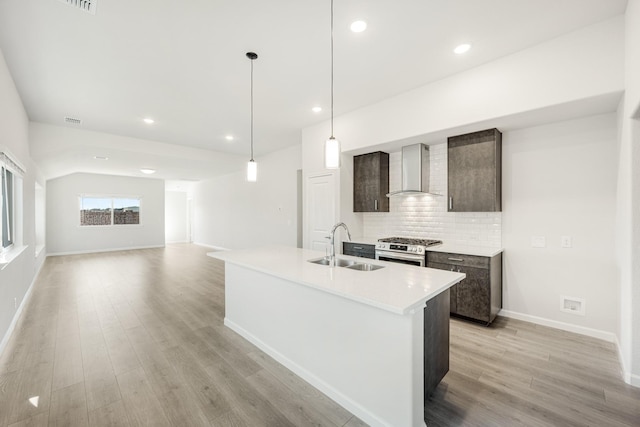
109,211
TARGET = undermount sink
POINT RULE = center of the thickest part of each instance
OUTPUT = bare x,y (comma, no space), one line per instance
347,263
365,267
339,262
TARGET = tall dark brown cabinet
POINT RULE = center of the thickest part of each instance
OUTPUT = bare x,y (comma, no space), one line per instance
475,172
371,182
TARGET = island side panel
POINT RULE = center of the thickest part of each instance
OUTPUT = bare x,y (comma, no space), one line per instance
367,359
436,339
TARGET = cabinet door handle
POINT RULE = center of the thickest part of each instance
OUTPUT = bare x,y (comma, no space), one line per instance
375,205
450,203
456,259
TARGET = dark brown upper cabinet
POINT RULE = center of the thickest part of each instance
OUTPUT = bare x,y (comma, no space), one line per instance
371,182
475,172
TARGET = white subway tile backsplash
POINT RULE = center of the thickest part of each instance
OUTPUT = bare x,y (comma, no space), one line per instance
427,216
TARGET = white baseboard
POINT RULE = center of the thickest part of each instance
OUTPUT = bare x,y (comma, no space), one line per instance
594,333
219,248
97,251
16,316
626,374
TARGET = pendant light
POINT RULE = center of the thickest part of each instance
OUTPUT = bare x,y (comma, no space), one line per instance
332,145
252,166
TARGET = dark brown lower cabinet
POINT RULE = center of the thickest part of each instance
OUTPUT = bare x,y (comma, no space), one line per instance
436,342
479,295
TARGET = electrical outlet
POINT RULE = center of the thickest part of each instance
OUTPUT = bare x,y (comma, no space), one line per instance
572,305
565,241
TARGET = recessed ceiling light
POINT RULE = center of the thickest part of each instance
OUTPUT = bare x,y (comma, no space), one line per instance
147,171
460,49
229,137
100,158
148,121
316,109
358,26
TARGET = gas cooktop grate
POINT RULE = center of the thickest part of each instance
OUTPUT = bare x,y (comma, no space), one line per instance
410,241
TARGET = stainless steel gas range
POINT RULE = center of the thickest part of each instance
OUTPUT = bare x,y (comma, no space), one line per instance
404,250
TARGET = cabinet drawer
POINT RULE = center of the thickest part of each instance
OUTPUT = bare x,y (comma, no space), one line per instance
458,259
359,249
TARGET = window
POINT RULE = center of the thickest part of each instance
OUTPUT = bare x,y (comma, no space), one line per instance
96,211
126,211
8,229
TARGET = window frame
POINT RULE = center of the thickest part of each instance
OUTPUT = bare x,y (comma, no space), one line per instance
7,206
112,209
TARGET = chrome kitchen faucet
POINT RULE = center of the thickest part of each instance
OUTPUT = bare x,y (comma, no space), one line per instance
332,249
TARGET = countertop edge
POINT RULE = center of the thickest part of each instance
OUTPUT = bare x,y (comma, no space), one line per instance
408,309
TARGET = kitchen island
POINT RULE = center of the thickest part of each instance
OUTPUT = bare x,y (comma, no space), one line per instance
358,336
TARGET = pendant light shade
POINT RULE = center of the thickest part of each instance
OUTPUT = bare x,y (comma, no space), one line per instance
332,145
332,153
252,171
252,166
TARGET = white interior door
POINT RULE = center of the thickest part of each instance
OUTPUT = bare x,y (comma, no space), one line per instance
320,208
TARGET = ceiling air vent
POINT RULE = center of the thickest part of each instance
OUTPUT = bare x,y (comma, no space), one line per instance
72,121
86,5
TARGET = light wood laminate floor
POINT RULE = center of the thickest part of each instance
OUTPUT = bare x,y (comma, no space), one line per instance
136,338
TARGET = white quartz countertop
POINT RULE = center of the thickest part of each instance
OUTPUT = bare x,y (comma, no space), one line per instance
397,288
465,250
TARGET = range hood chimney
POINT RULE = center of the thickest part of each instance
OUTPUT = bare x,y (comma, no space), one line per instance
415,171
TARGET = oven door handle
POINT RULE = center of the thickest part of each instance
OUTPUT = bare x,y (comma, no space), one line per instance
397,255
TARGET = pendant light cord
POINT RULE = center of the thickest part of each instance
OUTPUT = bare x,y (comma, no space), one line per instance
252,110
331,68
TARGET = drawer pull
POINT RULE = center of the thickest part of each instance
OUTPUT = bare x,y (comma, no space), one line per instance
358,247
456,259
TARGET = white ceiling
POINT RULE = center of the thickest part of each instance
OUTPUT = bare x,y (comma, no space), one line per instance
183,64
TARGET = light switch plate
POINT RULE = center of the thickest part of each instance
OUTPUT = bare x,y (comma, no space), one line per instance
565,241
538,241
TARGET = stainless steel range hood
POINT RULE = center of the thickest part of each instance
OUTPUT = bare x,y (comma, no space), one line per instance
415,171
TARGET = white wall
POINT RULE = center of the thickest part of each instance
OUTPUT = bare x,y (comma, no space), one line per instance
560,180
17,277
176,221
628,201
232,213
64,234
